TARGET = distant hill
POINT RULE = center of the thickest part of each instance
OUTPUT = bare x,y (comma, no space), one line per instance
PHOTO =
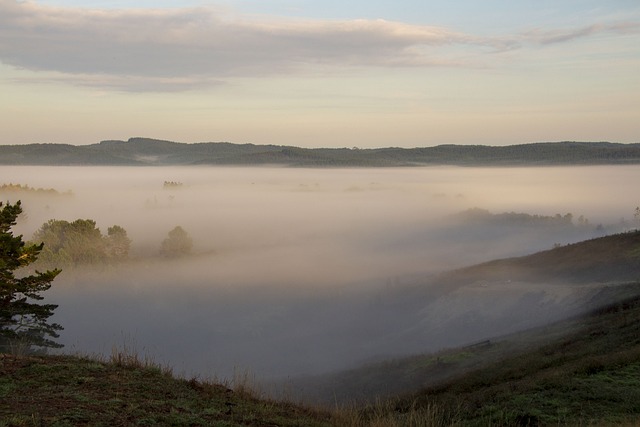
144,151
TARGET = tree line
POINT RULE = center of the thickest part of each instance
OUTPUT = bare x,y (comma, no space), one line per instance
80,242
24,320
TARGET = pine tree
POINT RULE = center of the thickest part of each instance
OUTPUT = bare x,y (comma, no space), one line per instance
23,321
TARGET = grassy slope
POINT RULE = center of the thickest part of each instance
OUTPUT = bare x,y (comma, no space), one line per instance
581,369
69,391
609,259
399,376
589,376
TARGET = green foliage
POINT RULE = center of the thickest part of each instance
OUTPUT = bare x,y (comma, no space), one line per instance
20,188
23,322
178,243
483,216
118,244
81,242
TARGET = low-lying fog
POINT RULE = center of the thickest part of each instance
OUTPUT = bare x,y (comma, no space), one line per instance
292,268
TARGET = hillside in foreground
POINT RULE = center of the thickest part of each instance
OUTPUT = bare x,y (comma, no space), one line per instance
588,376
580,368
71,391
582,371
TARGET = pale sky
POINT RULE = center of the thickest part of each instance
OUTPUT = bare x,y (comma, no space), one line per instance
314,73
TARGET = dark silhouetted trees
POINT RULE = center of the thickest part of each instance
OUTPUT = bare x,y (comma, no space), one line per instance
23,321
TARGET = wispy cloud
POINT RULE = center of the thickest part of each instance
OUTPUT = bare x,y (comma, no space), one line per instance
124,83
180,49
565,35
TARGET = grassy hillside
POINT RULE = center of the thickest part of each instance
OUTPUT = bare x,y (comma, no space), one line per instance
607,332
590,376
609,259
581,371
72,391
584,371
398,376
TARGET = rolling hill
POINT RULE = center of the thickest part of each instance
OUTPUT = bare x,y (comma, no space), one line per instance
580,371
598,277
613,258
145,151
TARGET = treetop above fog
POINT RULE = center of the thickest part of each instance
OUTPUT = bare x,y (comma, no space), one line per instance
178,243
81,242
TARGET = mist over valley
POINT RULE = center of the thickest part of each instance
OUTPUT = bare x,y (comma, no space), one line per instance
279,213
299,271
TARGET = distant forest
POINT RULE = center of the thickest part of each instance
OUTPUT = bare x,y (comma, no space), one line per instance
144,151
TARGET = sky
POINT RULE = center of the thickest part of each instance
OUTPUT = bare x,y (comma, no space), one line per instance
329,73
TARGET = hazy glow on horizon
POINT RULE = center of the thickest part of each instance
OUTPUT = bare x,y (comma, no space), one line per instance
314,74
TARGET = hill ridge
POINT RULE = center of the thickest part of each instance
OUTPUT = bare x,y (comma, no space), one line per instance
149,151
614,257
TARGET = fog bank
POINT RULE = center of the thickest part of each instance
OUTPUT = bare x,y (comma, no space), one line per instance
299,271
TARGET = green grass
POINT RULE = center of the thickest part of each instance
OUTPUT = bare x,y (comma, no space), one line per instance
70,391
584,371
588,377
580,371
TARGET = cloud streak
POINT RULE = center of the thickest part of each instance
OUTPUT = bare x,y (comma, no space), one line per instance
565,35
200,42
181,49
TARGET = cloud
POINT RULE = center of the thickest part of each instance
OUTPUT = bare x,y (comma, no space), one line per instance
123,83
188,48
565,35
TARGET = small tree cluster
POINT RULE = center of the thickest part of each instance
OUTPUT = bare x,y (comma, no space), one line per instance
81,242
177,244
23,321
117,243
171,184
20,188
